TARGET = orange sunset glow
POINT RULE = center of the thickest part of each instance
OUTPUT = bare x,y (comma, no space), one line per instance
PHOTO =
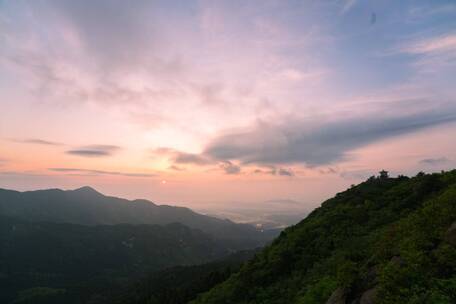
198,105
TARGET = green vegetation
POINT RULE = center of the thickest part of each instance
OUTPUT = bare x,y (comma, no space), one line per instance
388,240
180,284
384,241
90,262
38,295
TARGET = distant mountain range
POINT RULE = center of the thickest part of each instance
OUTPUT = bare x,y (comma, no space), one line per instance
86,206
78,246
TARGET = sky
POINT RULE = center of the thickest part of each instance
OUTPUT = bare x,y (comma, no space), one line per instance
224,104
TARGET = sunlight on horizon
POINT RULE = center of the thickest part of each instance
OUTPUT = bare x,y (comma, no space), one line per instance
224,105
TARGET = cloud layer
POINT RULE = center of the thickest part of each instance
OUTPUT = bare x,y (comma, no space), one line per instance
99,172
37,141
290,97
94,151
320,143
435,161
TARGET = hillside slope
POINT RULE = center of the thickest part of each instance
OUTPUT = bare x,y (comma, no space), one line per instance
86,206
387,240
180,284
83,261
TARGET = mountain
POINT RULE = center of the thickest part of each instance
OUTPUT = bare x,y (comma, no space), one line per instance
180,284
86,206
73,263
386,240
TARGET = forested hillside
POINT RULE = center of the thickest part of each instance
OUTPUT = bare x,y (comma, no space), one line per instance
67,263
180,284
386,240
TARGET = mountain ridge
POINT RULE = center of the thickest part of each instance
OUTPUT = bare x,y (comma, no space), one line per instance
86,206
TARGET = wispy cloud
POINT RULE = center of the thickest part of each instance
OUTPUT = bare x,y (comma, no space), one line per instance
230,168
440,44
432,54
189,158
179,157
272,170
418,13
94,151
22,174
434,161
328,170
347,6
176,168
37,141
139,59
285,172
100,172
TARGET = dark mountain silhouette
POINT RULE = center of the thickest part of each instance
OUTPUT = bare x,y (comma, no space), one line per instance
86,206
